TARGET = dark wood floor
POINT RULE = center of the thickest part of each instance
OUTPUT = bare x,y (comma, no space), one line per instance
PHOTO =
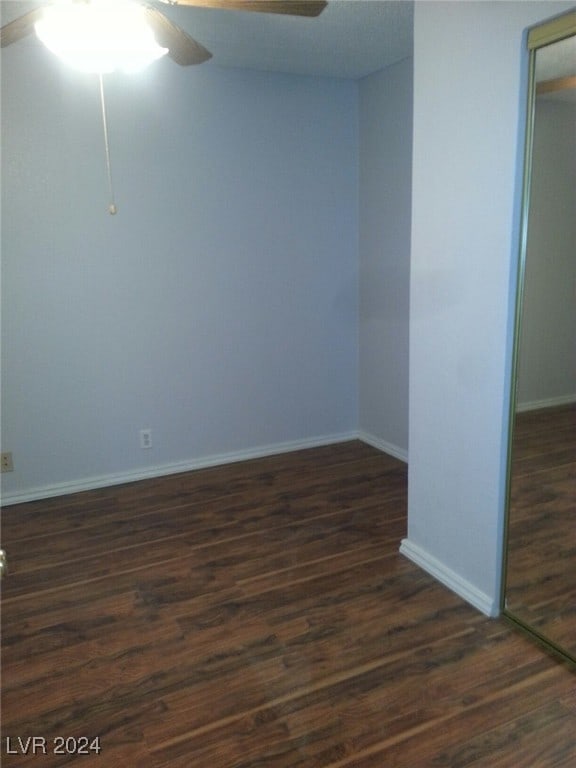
542,540
259,614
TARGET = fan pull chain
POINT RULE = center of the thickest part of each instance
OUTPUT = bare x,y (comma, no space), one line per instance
112,207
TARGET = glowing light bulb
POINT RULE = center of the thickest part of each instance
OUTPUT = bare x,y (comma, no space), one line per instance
99,36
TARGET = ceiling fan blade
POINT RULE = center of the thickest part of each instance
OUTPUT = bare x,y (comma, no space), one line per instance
288,7
19,28
181,48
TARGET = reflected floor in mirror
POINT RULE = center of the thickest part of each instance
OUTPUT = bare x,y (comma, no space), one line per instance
541,583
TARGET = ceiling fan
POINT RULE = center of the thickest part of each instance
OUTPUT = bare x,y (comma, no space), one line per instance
181,48
100,36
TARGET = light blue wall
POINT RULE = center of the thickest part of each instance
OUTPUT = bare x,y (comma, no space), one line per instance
384,255
468,116
218,307
547,357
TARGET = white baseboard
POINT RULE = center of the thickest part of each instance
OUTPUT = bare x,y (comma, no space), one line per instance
102,481
382,445
551,402
450,578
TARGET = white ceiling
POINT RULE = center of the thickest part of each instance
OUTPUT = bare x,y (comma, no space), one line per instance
557,61
350,39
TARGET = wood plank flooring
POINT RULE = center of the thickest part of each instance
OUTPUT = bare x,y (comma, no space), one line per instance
259,614
541,579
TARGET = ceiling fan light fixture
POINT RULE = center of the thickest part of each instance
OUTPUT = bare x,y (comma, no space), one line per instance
100,36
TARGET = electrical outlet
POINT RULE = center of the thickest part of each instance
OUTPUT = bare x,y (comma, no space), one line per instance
6,461
145,438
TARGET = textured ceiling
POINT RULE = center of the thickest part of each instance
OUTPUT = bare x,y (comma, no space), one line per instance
350,39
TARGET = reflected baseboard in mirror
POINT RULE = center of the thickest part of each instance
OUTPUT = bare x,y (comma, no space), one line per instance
542,526
539,584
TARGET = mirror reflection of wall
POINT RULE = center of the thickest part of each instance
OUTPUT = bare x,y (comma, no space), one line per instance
540,581
547,356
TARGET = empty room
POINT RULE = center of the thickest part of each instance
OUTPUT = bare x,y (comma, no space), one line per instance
288,378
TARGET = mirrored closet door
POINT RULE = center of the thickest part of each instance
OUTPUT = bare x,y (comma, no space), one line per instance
539,592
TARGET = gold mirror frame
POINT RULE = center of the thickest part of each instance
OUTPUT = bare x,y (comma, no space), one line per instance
540,36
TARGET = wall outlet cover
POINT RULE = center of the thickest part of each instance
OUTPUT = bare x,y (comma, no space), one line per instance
6,462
